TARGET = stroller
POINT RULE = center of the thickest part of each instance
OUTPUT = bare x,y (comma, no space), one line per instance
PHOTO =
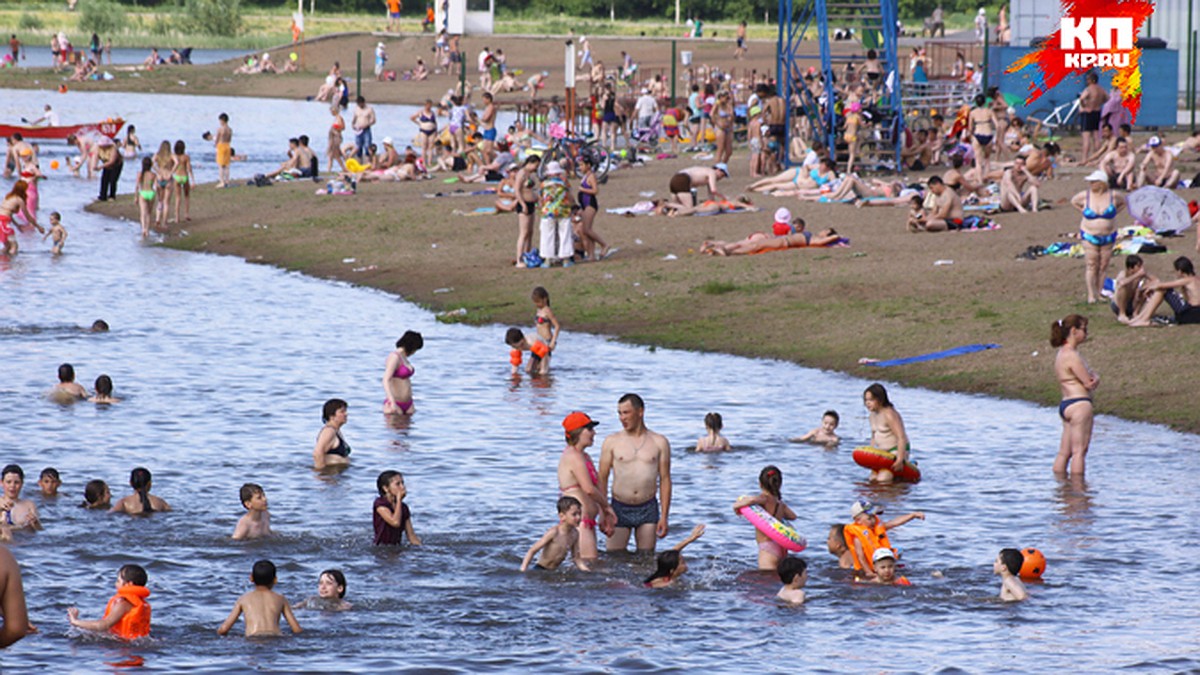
646,138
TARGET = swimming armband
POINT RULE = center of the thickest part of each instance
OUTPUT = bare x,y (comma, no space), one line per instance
514,357
540,349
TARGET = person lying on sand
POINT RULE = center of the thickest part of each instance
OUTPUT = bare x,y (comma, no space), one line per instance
760,242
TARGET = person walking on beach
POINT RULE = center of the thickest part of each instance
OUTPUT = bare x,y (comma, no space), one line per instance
223,141
640,463
1077,382
364,119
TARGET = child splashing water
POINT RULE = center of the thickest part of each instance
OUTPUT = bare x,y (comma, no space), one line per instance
770,480
547,324
713,441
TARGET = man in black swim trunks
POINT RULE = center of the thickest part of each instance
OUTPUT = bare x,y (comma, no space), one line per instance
1091,100
640,462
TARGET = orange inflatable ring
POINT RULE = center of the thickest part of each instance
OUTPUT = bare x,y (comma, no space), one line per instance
876,460
1034,565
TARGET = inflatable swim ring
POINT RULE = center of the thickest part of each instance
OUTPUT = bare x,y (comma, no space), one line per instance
876,459
776,530
1034,564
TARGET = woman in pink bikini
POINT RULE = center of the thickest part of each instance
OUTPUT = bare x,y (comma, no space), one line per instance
577,478
397,375
15,202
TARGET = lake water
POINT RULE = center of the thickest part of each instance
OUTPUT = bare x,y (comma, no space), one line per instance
38,56
224,366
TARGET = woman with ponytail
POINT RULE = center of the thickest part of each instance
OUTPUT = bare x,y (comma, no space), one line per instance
141,501
1077,382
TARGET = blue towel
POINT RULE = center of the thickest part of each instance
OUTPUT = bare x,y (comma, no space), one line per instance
957,351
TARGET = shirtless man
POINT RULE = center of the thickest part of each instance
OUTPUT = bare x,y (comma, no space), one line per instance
1040,161
262,606
223,142
948,214
1165,174
12,601
1091,100
640,461
1018,188
683,182
67,388
487,127
1182,294
775,114
1119,164
1108,143
364,119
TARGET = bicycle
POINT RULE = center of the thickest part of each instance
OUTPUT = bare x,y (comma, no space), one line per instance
568,149
1055,118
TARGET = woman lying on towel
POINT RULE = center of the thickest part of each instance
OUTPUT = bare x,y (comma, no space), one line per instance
760,242
711,207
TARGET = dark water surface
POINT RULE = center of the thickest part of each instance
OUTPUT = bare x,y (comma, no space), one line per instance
224,366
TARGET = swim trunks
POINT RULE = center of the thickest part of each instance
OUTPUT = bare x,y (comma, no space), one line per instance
224,154
1184,313
680,183
1105,240
1090,120
630,516
489,134
1067,403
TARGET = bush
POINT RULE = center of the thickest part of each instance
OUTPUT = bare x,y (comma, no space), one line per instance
213,17
102,17
29,22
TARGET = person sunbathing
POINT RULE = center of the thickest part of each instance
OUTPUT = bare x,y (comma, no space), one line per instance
761,242
710,207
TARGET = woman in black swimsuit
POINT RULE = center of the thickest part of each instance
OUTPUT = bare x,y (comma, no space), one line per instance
589,205
331,449
526,183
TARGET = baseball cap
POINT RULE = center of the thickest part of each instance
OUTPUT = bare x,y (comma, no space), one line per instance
1154,142
864,506
722,168
882,554
782,215
577,420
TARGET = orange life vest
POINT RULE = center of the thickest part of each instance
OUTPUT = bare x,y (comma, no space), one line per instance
136,622
871,537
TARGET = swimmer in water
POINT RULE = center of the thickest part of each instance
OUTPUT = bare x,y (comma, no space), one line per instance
770,480
68,390
1076,382
99,326
1008,566
391,516
397,374
331,449
671,564
256,523
16,513
559,540
713,441
49,482
104,391
141,502
836,544
885,569
823,434
887,431
262,606
96,495
577,478
793,572
127,615
331,593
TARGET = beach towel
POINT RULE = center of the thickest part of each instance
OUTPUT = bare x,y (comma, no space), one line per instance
459,193
956,351
481,211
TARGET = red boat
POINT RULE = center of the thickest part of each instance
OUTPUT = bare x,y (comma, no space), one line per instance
110,128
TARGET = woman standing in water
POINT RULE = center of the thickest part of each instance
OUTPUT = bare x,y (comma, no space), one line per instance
331,449
1077,382
577,478
14,203
887,431
397,374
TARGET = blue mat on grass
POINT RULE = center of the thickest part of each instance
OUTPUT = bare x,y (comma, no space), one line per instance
956,351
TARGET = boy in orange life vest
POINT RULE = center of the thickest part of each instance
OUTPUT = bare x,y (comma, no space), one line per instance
885,568
867,534
127,615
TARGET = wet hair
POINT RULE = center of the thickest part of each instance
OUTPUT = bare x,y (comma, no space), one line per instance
93,492
1052,148
134,574
634,400
713,421
338,578
1013,559
247,492
180,147
13,468
513,337
833,414
411,342
263,573
668,562
303,139
52,472
770,480
1059,330
1184,266
1132,261
878,393
790,567
104,386
385,479
66,373
99,326
223,117
565,504
838,532
540,293
331,407
139,480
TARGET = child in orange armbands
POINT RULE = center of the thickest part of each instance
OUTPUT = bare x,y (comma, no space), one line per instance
520,343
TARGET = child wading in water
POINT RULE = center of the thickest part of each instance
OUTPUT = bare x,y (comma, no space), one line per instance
548,327
331,593
714,441
793,572
769,480
559,540
1008,566
127,615
539,352
257,521
823,434
391,516
671,564
57,233
262,606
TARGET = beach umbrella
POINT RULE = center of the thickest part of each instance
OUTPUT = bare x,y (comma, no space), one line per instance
1158,209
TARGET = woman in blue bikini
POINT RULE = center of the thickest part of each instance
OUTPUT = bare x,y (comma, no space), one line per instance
1077,383
1098,229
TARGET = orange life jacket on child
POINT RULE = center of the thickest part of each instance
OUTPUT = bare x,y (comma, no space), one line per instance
136,622
872,538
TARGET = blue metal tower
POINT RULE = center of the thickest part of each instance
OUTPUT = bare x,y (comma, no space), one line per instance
875,24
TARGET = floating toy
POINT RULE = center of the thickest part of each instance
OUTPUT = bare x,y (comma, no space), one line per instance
1034,565
876,460
776,530
355,166
54,164
62,88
